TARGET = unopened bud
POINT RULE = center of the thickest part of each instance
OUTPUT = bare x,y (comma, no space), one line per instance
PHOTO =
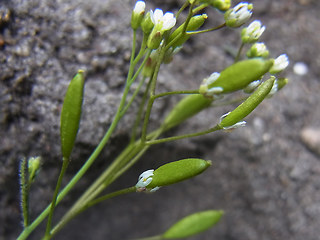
238,15
137,14
258,50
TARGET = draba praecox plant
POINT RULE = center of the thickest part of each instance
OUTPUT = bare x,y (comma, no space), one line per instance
254,73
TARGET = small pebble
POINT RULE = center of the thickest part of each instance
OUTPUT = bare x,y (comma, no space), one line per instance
300,68
311,138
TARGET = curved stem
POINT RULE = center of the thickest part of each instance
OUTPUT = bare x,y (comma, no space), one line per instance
108,196
207,30
162,140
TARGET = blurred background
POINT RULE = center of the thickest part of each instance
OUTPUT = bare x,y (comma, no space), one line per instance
266,176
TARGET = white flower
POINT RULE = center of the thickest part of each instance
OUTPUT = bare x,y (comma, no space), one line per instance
280,63
162,22
253,32
237,16
144,179
205,85
139,7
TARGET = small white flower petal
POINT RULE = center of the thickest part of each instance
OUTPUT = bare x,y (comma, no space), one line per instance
237,125
212,78
154,189
156,16
139,7
280,63
215,90
162,22
146,174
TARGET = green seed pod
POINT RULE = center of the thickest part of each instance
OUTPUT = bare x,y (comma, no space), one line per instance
177,171
186,108
245,108
240,74
71,113
195,23
193,224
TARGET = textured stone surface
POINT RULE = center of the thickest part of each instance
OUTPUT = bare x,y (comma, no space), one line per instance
263,176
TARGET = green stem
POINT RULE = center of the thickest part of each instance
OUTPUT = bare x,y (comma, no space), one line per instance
183,32
182,8
239,53
152,93
25,187
142,50
169,139
108,196
65,163
200,8
139,114
207,30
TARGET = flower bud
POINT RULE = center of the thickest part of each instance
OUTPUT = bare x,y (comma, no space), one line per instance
137,14
238,76
71,113
195,23
253,32
147,24
235,117
239,15
186,108
222,5
34,164
193,224
150,64
154,39
258,50
282,82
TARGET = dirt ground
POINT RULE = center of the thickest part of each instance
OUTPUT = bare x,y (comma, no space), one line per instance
266,176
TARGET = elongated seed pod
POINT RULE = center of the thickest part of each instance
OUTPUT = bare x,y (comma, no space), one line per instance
245,108
178,171
239,75
193,224
71,113
186,108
